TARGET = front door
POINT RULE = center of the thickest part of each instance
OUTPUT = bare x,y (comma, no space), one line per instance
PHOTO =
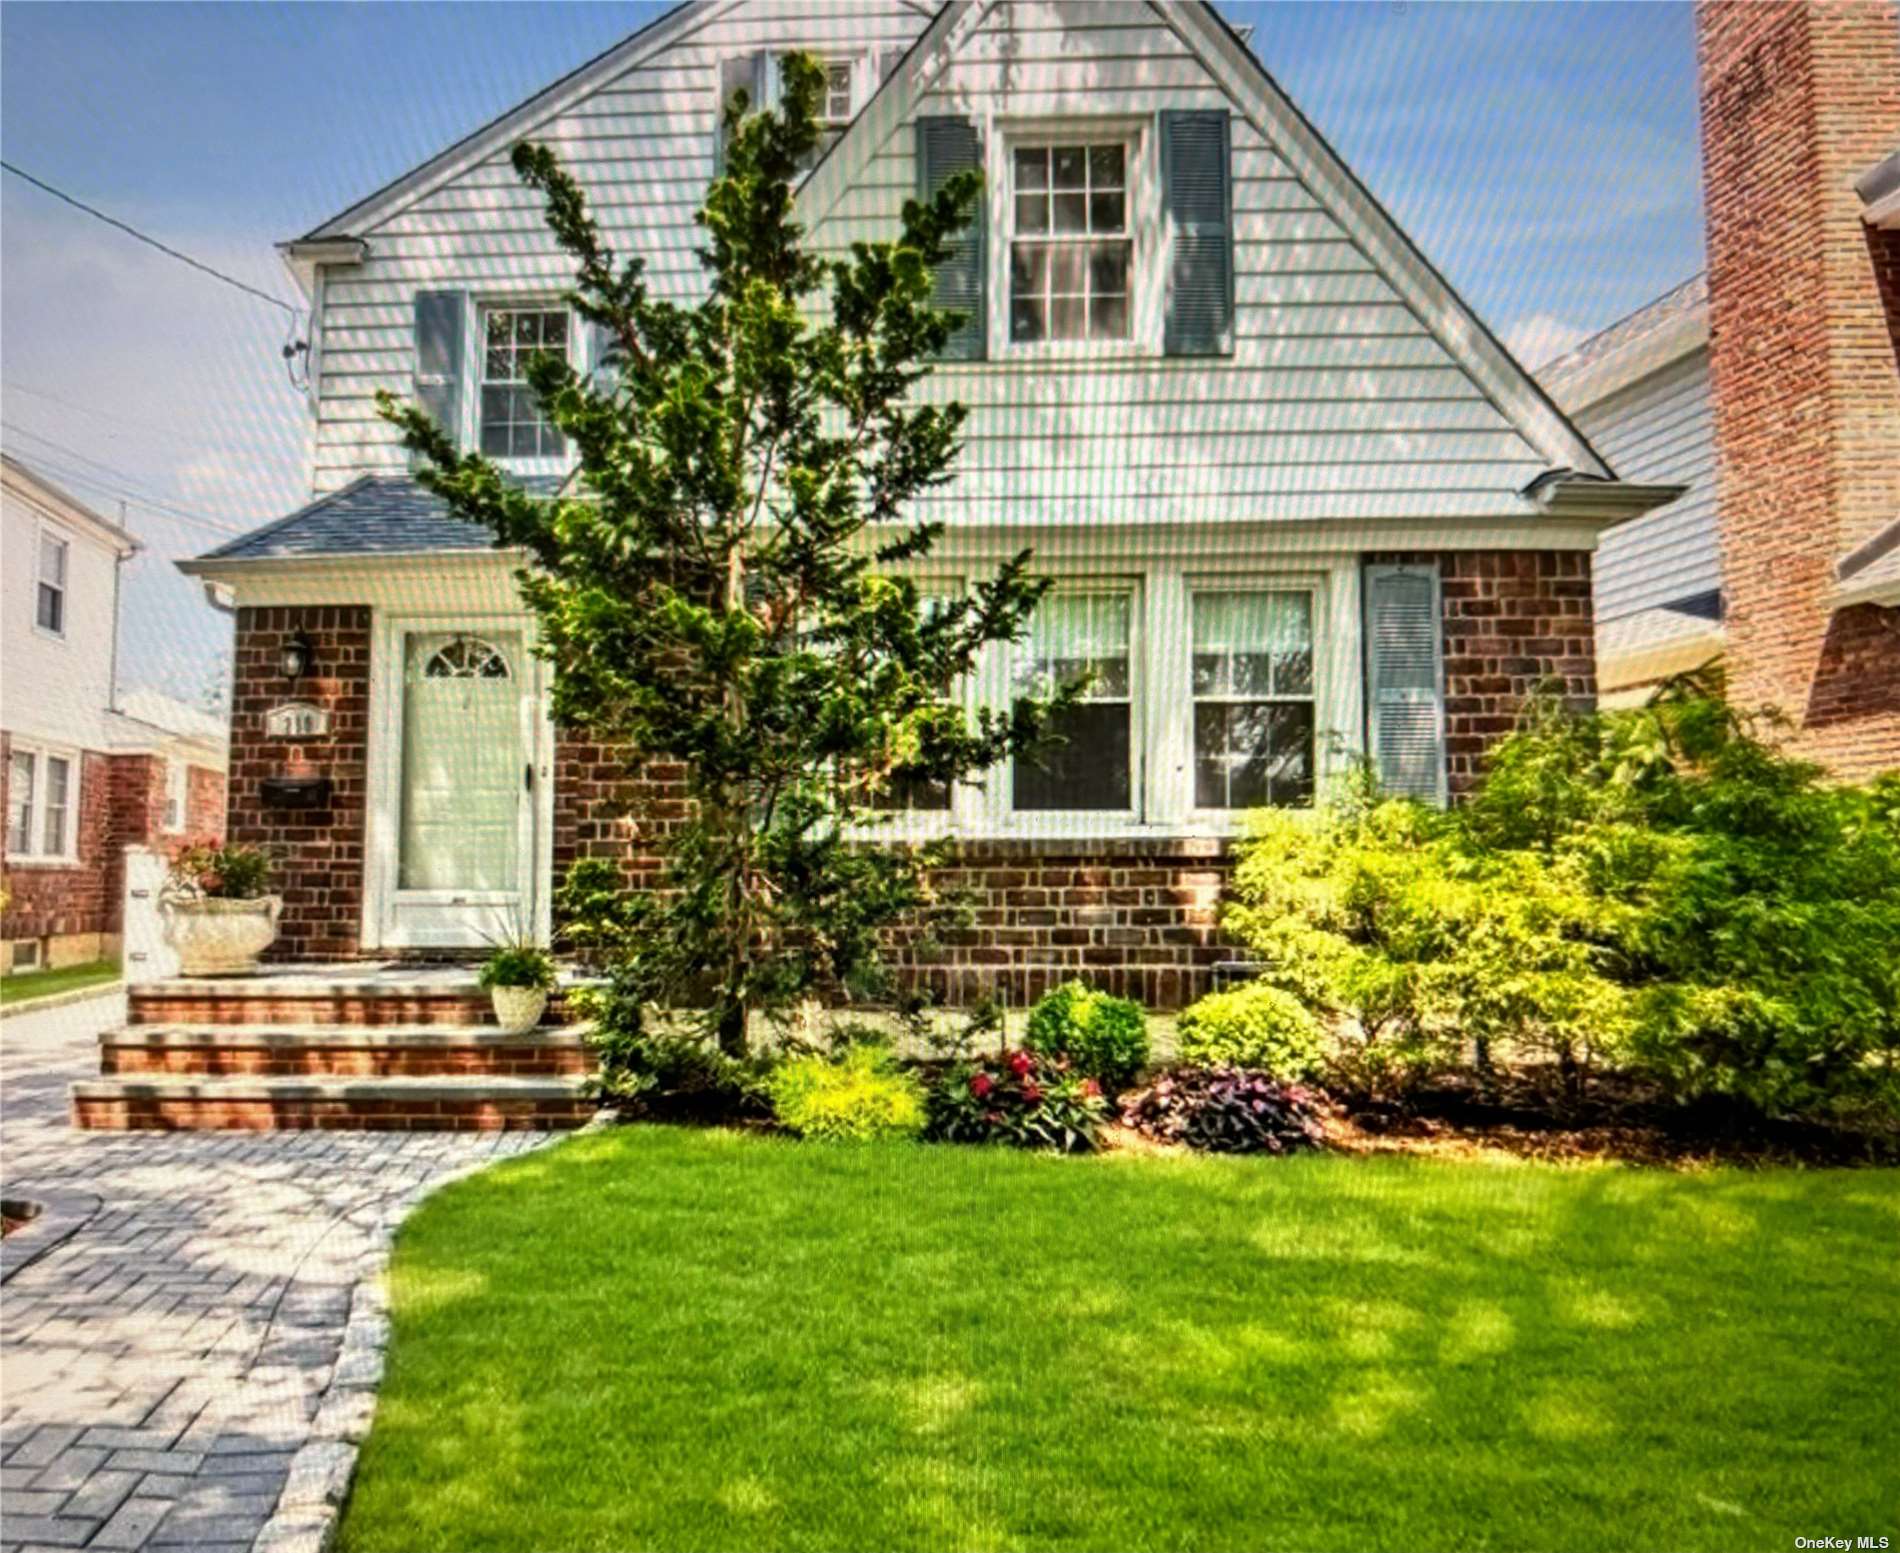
463,809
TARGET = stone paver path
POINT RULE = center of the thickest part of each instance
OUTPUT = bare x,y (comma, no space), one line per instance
159,1368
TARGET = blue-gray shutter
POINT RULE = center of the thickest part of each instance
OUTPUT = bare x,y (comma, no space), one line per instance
1405,697
441,321
1197,190
737,72
946,146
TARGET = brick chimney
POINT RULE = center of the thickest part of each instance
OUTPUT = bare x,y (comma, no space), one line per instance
1798,100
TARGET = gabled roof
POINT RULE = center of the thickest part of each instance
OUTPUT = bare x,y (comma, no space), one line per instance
501,132
1650,338
62,504
1515,392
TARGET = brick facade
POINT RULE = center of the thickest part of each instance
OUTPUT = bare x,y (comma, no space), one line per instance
1883,252
1515,621
1797,100
77,909
1137,916
319,851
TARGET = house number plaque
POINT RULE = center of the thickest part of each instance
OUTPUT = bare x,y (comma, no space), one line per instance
296,720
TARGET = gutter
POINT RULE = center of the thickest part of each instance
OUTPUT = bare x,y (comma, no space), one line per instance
1569,493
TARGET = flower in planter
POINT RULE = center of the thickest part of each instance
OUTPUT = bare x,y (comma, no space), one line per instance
208,869
981,1084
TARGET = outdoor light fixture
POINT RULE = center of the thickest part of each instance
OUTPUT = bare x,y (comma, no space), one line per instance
295,657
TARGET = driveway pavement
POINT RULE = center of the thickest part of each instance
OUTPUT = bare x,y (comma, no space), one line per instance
160,1366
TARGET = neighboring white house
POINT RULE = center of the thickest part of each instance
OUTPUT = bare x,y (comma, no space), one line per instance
1298,500
1639,390
83,771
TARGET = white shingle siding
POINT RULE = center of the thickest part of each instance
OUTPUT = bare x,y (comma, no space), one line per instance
1336,402
1658,429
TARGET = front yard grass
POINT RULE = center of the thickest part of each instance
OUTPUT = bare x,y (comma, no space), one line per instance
28,985
659,1338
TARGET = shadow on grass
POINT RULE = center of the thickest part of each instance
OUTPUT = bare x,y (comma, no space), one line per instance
666,1338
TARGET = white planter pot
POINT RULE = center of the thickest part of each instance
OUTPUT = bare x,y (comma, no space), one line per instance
221,937
518,1009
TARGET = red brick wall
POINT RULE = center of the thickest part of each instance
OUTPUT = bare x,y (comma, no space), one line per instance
1797,100
1883,252
1515,620
204,802
56,901
319,852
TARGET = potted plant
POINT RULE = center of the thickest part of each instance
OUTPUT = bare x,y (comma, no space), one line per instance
218,913
518,974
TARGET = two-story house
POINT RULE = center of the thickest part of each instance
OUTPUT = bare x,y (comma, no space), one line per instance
85,771
1299,501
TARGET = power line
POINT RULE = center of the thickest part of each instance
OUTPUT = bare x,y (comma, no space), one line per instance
152,242
120,484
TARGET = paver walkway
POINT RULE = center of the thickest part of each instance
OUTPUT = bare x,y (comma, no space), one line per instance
159,1368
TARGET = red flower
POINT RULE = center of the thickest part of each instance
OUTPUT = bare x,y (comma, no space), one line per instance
992,1117
981,1084
1021,1063
1031,1093
1091,1088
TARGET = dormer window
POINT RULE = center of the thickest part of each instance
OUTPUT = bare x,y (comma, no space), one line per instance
839,105
1071,253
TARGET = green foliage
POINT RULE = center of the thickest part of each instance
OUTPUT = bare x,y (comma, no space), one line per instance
1656,890
722,585
859,1096
1024,1099
215,870
1257,1025
520,964
665,1073
1103,1037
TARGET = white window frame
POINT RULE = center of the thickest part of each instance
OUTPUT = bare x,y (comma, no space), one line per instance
476,372
36,855
1312,590
44,532
860,64
177,795
1145,282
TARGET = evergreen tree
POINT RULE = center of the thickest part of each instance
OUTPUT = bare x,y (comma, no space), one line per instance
723,585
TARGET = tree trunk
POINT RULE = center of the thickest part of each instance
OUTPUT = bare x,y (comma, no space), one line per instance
732,1032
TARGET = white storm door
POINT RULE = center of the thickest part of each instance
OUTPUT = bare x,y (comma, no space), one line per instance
465,811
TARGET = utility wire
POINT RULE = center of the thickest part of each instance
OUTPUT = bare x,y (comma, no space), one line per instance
152,242
120,484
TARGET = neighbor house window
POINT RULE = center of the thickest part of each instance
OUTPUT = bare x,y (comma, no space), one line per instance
1253,698
512,426
1088,763
50,605
42,802
1070,253
176,776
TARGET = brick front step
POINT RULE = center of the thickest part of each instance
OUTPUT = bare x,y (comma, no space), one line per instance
344,1051
278,1000
184,1103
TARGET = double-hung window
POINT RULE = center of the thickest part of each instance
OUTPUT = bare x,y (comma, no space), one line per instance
512,426
1253,698
49,608
1088,763
42,803
1071,252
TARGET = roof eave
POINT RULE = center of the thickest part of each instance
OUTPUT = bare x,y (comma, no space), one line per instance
302,256
1569,493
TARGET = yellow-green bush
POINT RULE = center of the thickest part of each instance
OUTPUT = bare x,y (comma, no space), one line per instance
1257,1026
857,1096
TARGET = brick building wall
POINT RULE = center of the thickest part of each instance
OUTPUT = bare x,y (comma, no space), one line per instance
1797,100
204,802
1515,622
75,907
1883,253
319,851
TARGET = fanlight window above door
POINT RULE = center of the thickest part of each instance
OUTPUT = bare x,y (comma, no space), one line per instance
467,657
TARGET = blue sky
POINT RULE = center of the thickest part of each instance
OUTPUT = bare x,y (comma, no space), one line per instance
1543,156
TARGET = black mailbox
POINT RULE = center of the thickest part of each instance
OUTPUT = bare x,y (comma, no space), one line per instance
304,792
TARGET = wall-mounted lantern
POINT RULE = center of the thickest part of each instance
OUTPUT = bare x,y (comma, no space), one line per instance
296,657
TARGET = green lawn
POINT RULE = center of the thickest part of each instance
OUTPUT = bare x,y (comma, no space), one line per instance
654,1338
68,978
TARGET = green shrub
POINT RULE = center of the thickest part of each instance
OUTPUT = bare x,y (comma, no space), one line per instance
858,1096
1024,1099
518,965
1257,1026
1228,1110
1103,1037
1657,891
